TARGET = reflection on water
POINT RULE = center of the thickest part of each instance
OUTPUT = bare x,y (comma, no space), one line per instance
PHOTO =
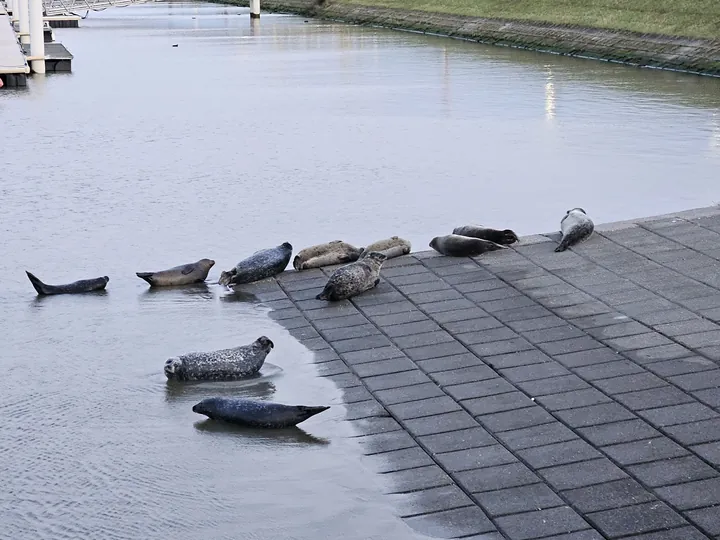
550,96
271,438
256,387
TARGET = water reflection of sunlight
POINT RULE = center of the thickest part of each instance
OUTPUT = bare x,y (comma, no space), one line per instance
715,132
549,95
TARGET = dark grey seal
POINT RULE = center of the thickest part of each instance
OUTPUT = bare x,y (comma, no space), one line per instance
334,252
184,274
260,265
223,365
576,226
258,414
81,286
456,245
504,237
354,278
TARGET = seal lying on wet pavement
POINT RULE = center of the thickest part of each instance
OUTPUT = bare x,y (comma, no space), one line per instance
456,245
334,252
252,413
390,247
260,265
505,237
354,278
223,365
76,287
184,274
576,227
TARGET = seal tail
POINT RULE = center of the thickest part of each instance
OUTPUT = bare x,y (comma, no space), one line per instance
562,246
39,286
147,276
306,412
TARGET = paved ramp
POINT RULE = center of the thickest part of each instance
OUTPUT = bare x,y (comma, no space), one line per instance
12,59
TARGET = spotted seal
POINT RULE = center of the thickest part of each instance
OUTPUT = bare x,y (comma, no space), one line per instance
76,287
390,247
260,265
223,365
576,227
354,278
335,252
255,413
456,245
504,237
184,274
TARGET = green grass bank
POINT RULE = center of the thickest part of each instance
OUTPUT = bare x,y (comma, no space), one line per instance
670,34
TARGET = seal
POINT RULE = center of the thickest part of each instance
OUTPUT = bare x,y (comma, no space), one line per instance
223,365
260,265
354,278
576,227
456,245
255,413
335,252
184,274
76,287
390,247
504,237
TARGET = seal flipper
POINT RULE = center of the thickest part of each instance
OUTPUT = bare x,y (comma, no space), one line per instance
39,286
306,412
147,276
327,293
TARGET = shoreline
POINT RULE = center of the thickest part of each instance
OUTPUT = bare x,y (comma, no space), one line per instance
688,55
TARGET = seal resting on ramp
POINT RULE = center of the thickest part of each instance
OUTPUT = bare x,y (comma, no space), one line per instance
576,226
335,252
81,286
504,237
390,247
257,414
185,274
260,265
354,278
456,245
223,365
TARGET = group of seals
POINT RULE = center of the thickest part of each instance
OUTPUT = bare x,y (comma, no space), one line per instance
472,240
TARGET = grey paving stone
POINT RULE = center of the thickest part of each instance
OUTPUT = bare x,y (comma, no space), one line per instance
541,523
522,313
416,288
356,394
491,295
707,518
478,324
635,519
584,343
424,407
681,366
398,460
395,380
374,424
618,432
692,494
497,403
472,390
645,306
709,397
495,306
603,319
384,367
435,351
498,477
345,380
678,414
466,285
447,305
629,383
672,471
486,336
555,385
411,328
518,499
473,276
339,322
460,522
587,358
573,399
519,418
421,340
475,458
457,440
520,439
389,309
364,409
639,341
440,423
397,273
710,452
562,453
521,358
696,432
349,332
682,533
538,324
690,326
436,499
416,479
371,355
333,367
622,329
655,354
607,370
533,372
361,343
655,397
459,315
700,339
429,297
398,318
587,534
408,393
615,494
697,381
501,347
386,442
581,474
713,353
582,310
446,363
675,314
557,333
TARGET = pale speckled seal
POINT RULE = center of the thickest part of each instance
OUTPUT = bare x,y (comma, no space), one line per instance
390,247
254,413
354,278
76,287
260,265
455,245
335,252
576,226
505,237
223,365
184,274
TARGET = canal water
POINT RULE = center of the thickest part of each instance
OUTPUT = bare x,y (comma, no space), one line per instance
244,136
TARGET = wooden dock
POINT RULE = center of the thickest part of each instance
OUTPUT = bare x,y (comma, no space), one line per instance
13,66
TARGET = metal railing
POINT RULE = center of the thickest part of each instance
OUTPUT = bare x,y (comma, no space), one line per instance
74,7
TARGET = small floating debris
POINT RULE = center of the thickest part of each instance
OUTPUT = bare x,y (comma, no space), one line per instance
175,45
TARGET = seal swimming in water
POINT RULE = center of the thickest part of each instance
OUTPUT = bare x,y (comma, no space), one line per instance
505,237
390,247
353,278
260,265
576,226
253,413
223,365
335,252
184,274
456,245
76,287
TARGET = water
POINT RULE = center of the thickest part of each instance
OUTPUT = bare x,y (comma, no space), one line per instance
243,137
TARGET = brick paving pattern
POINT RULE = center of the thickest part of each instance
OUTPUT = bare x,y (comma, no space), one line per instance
529,394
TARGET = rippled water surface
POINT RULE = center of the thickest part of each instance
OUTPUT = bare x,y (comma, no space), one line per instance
242,137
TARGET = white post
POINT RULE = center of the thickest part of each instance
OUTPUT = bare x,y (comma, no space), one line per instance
12,4
37,38
24,16
254,9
